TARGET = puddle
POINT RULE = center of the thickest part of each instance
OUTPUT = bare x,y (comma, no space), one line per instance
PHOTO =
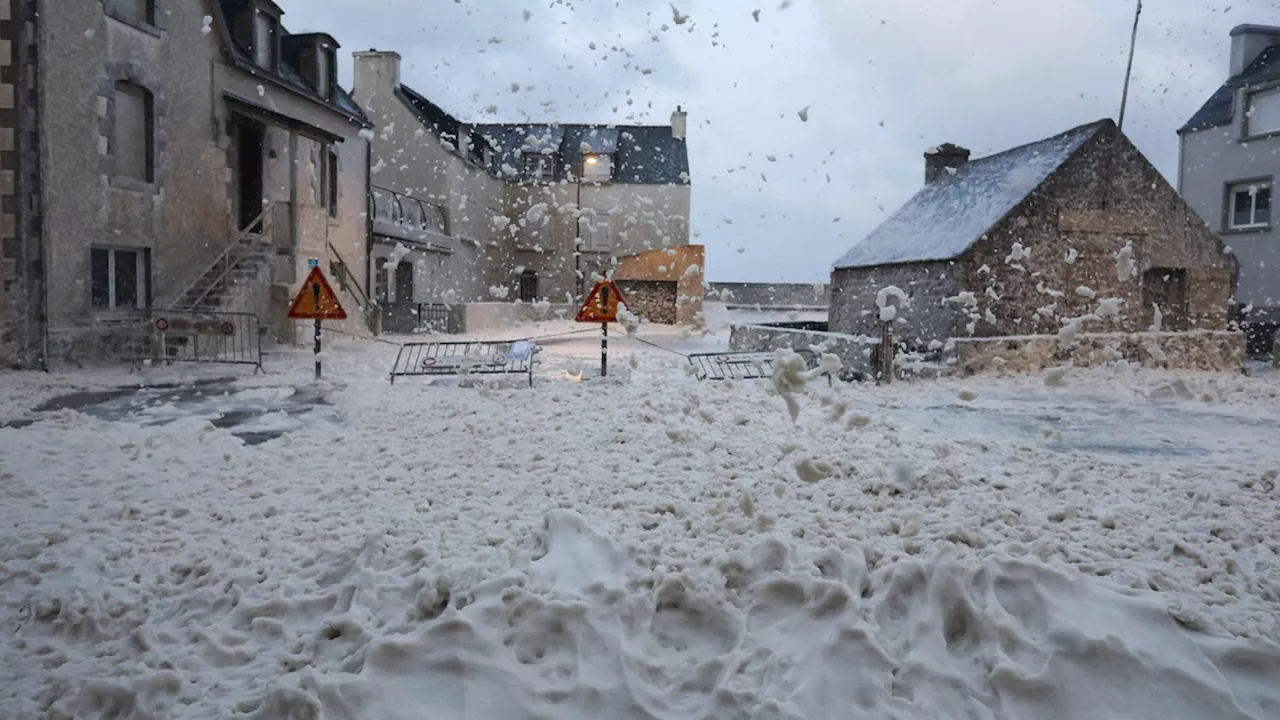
255,415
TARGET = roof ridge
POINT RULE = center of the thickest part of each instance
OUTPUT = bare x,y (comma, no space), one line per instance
1096,125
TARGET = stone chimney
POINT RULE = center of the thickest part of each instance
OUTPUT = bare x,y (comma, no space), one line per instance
377,71
946,155
1247,42
679,123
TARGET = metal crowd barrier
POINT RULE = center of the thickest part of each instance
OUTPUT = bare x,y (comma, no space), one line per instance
508,357
195,336
742,365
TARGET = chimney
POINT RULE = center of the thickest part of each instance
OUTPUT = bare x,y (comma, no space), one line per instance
945,155
377,72
679,123
1247,42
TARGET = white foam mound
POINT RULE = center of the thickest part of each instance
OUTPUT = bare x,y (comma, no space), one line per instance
579,632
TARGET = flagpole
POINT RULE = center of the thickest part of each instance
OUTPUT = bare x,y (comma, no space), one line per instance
1128,72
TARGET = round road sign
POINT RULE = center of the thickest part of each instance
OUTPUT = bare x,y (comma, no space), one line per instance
162,324
228,328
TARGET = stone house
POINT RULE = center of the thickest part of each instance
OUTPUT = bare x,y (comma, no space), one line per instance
1229,153
1024,241
468,214
188,156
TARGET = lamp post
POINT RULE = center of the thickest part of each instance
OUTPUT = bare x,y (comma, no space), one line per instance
577,233
577,255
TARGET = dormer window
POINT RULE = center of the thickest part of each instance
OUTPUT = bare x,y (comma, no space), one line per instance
266,39
1263,114
597,167
540,167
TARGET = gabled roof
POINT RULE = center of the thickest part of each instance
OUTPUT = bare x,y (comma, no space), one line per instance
954,211
642,154
287,75
1219,109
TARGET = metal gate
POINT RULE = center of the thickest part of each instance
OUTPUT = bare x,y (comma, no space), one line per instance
195,336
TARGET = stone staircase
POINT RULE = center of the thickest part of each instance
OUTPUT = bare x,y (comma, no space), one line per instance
242,269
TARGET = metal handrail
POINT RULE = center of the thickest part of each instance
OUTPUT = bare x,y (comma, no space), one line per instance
350,278
224,258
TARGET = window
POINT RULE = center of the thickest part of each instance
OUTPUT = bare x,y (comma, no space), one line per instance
597,168
382,202
595,232
331,181
540,167
266,40
133,145
1263,115
136,12
528,286
413,217
117,279
1250,206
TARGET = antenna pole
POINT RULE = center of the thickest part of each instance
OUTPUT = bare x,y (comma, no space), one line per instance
1128,72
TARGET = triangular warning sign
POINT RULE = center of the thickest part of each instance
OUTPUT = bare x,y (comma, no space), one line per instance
316,300
601,305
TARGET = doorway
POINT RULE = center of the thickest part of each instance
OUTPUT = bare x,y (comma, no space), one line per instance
1166,288
404,282
250,137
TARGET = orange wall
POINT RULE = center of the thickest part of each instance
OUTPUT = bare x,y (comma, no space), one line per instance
684,265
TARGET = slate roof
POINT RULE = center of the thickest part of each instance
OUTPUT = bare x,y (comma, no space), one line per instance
1219,109
954,211
642,154
287,75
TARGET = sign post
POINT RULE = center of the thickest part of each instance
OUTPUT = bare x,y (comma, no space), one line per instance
317,301
604,335
601,306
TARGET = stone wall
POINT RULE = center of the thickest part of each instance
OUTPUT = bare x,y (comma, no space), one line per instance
1100,200
856,352
1195,350
22,311
923,320
682,266
652,300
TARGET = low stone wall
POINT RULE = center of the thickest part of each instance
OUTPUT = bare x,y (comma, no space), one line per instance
772,295
1196,350
856,352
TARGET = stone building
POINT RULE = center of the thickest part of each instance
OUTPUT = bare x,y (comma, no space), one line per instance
168,155
1228,159
1025,241
489,213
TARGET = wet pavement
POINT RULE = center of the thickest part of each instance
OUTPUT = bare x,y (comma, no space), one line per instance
254,414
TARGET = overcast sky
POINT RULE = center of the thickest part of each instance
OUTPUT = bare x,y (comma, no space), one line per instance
883,81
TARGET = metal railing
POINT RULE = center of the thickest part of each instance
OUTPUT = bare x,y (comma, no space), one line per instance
506,357
194,336
407,318
216,275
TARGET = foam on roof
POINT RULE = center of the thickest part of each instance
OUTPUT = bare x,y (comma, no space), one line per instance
951,213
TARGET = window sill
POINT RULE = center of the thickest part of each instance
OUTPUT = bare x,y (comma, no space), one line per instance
1260,136
143,27
1248,230
132,184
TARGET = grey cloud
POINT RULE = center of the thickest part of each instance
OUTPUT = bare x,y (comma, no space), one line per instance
885,79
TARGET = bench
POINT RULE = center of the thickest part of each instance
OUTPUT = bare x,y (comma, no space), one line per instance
742,365
506,357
